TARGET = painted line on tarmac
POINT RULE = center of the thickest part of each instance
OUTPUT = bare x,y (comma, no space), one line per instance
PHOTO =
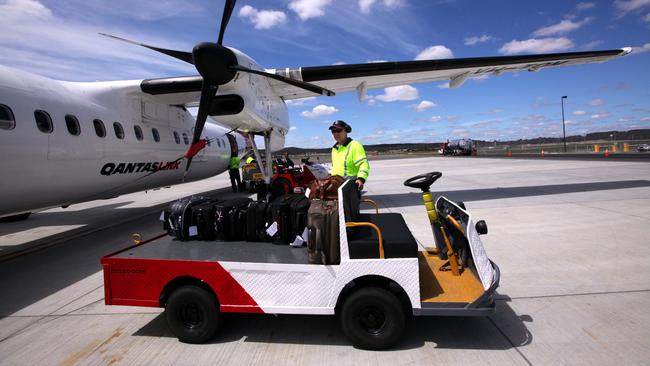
507,298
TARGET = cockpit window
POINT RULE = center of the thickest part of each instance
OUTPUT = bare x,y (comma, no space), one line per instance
176,138
156,135
7,120
186,140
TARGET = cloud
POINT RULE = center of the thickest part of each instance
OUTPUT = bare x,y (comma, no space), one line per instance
309,8
434,53
579,113
297,102
319,111
424,105
470,41
596,102
585,6
376,61
398,93
263,19
646,18
600,115
562,27
13,9
640,49
365,5
292,128
435,118
626,6
536,45
34,39
443,85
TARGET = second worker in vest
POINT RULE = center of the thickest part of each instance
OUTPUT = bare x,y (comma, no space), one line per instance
348,156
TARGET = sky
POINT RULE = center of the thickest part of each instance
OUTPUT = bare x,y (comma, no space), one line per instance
59,39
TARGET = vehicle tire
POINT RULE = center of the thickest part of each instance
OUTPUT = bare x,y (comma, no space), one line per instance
372,318
16,218
193,314
280,187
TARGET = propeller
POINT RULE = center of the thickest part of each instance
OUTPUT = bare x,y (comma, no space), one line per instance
217,65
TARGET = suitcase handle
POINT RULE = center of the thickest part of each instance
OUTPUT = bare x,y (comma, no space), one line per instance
369,224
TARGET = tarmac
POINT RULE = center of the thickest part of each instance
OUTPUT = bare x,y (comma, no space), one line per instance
571,238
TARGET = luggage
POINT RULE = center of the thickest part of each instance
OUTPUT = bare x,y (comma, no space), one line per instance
279,213
178,217
298,210
228,221
325,189
203,216
323,245
255,229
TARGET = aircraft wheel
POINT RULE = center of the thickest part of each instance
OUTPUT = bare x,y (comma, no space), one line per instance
16,218
373,318
193,314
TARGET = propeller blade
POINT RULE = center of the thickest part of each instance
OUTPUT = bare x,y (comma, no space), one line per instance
228,7
207,94
181,55
300,84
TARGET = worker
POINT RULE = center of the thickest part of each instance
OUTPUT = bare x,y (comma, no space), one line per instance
285,161
235,179
348,156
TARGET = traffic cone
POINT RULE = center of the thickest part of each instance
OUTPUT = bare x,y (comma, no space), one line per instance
606,153
509,153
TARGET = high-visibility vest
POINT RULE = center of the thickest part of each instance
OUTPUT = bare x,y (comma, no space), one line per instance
249,159
234,162
349,160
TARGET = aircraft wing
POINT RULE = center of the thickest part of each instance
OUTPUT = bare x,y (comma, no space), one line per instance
345,78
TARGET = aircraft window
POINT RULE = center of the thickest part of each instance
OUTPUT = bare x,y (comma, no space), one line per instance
43,121
156,135
138,132
119,131
185,139
100,130
176,138
72,123
7,120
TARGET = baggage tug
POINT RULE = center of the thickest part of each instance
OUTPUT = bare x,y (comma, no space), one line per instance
381,279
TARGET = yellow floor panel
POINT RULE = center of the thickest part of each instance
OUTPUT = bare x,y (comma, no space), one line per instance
443,286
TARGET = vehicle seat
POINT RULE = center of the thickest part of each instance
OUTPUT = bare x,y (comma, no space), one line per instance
363,242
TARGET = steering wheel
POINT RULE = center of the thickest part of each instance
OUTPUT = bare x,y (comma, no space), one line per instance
423,181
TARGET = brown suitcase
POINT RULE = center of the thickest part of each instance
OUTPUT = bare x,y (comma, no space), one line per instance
323,245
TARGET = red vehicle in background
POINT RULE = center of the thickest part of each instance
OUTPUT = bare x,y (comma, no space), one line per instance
285,179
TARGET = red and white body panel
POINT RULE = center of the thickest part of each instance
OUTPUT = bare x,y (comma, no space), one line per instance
252,287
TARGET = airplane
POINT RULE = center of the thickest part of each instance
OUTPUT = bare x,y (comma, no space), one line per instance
69,142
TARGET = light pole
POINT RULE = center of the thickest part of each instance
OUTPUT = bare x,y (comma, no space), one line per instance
563,128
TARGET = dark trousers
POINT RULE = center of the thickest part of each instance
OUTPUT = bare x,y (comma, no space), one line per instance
235,179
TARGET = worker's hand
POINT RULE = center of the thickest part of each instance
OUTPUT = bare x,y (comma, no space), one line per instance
359,183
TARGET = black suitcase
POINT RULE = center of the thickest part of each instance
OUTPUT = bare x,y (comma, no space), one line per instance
203,216
179,219
298,212
228,222
256,221
279,213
